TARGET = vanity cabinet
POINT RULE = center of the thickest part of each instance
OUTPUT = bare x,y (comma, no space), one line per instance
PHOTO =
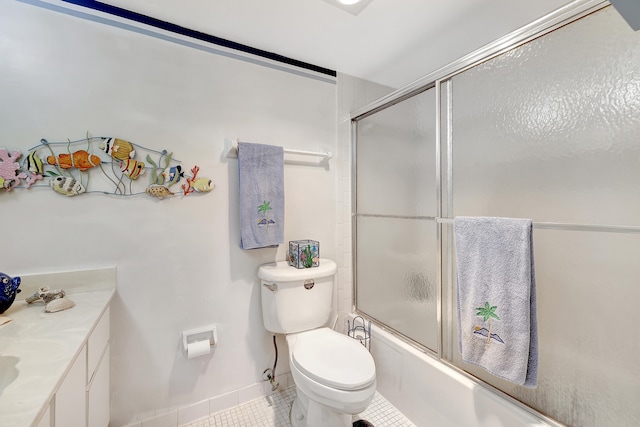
62,358
82,400
98,374
70,399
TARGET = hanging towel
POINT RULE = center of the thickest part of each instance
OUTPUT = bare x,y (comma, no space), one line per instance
497,327
261,170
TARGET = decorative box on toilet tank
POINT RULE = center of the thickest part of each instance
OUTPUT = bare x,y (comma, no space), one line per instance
304,253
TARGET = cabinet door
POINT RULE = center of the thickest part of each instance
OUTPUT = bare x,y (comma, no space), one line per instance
45,421
97,343
70,400
98,395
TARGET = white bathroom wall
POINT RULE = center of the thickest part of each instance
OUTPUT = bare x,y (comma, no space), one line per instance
178,260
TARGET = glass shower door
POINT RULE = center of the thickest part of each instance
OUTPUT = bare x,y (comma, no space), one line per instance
395,209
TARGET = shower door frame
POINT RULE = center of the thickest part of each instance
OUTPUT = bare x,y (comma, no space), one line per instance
355,215
438,80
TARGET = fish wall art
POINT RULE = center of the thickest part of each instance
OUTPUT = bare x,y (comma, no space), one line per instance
69,166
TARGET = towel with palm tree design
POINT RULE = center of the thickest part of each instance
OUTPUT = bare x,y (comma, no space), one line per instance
487,313
496,297
261,181
264,208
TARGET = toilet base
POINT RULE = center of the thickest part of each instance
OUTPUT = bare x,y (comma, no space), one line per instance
297,415
307,413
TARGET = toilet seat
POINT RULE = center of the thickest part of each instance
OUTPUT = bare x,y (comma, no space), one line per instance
333,359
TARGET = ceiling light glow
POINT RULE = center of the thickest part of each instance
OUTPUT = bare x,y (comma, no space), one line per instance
353,7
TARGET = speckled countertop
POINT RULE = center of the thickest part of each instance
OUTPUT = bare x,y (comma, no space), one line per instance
37,348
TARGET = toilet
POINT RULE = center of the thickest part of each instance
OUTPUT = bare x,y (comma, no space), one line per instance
335,375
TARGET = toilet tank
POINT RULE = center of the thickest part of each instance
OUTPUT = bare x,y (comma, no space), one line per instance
296,300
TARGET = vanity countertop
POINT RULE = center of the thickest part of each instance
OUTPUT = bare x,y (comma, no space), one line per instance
37,349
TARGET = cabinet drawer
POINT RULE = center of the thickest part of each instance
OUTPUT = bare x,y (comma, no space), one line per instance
97,343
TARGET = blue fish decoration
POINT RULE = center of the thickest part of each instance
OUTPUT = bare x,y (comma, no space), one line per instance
8,291
174,174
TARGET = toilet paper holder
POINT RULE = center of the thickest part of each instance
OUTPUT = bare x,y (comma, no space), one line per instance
199,334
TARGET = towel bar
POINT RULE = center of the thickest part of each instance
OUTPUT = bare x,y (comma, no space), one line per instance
571,226
231,147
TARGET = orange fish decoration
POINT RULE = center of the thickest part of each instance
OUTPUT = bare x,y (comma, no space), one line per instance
80,159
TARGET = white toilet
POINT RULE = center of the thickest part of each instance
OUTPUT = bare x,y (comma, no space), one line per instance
335,375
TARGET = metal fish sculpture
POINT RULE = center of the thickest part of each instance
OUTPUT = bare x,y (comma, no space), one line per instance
202,185
173,175
159,191
118,148
80,159
10,168
34,163
132,168
67,186
8,291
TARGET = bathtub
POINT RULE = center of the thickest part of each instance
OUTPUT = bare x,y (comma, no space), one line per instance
431,393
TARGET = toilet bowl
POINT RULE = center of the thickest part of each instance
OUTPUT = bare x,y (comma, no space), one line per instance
335,375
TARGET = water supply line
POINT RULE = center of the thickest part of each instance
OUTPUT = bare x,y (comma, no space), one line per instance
270,374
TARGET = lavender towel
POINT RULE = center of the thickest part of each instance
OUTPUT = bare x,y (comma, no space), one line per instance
497,327
261,179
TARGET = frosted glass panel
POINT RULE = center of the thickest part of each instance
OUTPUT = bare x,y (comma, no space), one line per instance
549,131
396,265
396,159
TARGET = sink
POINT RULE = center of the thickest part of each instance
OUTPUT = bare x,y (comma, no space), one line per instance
27,352
8,371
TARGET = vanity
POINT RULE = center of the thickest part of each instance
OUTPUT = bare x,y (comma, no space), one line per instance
54,367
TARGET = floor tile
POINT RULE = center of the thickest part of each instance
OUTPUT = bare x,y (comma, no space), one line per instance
273,411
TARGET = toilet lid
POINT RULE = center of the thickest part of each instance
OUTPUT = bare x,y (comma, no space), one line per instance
333,359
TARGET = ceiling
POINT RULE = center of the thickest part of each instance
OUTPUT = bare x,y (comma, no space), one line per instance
391,42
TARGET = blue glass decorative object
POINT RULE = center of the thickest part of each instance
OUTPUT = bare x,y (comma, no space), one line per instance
8,291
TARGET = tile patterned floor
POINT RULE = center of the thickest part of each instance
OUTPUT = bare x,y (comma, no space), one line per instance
273,411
